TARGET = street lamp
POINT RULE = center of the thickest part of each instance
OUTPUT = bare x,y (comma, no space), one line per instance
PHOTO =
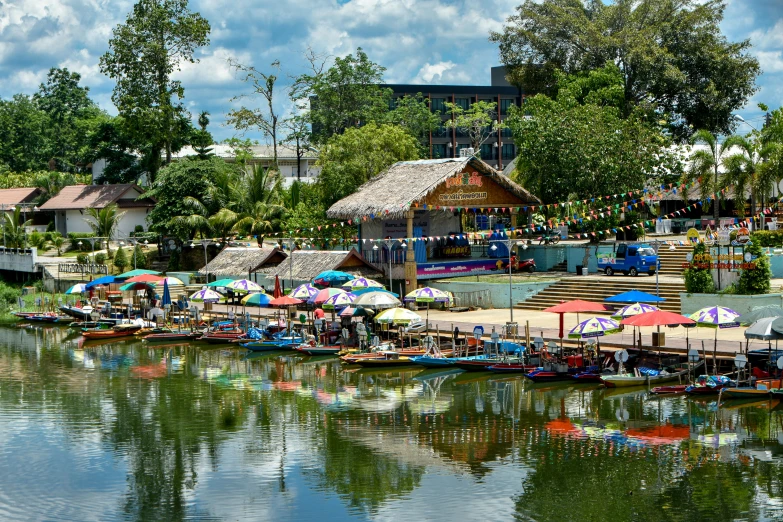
389,242
508,243
204,243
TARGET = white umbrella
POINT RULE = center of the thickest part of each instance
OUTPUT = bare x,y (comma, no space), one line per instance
376,301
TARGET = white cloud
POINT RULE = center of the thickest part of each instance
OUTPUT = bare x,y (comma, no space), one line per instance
431,72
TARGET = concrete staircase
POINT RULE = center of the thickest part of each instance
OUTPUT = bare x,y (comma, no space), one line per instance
598,288
672,260
560,267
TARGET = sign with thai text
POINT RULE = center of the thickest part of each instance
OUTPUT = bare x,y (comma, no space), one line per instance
79,268
465,179
459,268
460,196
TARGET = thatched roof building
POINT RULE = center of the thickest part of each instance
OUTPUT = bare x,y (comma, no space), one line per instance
238,261
412,183
305,265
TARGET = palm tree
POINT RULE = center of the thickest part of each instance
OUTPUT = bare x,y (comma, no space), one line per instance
58,241
261,220
705,167
222,222
104,221
14,229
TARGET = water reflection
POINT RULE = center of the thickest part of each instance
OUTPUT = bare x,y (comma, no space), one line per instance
127,431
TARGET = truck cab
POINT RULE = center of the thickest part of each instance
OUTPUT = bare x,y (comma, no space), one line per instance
630,259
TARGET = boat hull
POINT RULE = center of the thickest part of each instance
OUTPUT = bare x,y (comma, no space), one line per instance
319,350
164,338
743,393
383,363
108,334
511,368
548,376
670,390
432,362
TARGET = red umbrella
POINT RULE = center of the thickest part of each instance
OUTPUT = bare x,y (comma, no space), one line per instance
145,278
278,291
284,301
658,318
659,435
575,306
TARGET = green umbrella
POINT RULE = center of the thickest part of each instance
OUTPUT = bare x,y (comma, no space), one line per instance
220,283
137,272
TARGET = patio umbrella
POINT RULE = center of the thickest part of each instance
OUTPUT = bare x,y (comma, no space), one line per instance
760,312
338,301
397,316
658,318
325,294
304,292
145,278
78,288
715,317
364,290
634,296
576,306
427,295
764,329
361,282
244,286
220,283
594,327
377,301
135,286
282,302
350,311
278,292
258,299
206,295
332,277
166,299
105,280
136,272
170,280
634,309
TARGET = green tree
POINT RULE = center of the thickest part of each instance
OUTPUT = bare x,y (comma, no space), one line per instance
25,134
572,150
139,257
353,158
299,138
478,122
201,139
126,158
343,95
120,260
670,52
58,241
755,280
14,233
705,168
413,114
38,241
698,280
104,221
145,52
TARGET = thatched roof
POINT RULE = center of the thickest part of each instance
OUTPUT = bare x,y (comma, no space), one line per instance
241,260
392,192
306,264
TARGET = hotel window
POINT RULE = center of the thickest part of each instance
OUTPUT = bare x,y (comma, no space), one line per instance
505,105
438,104
439,150
462,102
487,152
508,152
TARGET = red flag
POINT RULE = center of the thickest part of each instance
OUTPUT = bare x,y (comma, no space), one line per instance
278,291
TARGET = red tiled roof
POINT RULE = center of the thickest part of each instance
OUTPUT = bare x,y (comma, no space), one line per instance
18,195
78,197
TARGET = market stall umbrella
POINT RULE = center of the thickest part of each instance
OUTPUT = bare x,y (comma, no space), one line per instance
576,306
397,316
332,277
361,290
105,280
145,278
278,292
325,294
361,282
594,327
765,329
166,299
338,301
658,318
137,272
635,296
135,286
206,295
244,286
717,317
220,283
259,299
286,300
356,312
78,288
760,312
427,295
634,309
304,292
377,301
170,280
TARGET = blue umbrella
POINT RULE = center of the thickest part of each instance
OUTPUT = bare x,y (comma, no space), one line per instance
166,300
331,277
105,280
634,296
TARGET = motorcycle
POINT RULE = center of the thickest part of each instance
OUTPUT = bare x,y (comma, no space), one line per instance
549,239
524,265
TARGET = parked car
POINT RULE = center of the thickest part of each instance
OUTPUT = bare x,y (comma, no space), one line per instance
630,259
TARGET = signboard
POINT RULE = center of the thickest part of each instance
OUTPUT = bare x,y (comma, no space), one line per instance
693,235
743,237
606,255
77,268
398,228
459,268
724,236
470,188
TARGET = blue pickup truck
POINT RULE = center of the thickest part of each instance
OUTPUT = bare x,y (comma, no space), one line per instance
630,259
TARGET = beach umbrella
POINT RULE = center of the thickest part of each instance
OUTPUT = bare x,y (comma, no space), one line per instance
377,301
244,286
760,312
635,296
105,280
206,295
278,292
338,301
576,306
135,286
764,329
332,278
363,290
281,302
145,278
717,317
220,283
397,316
427,295
324,294
304,292
166,299
350,311
361,282
170,280
658,318
258,299
78,288
634,309
136,272
594,327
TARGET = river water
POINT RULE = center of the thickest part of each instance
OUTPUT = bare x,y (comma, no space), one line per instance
122,431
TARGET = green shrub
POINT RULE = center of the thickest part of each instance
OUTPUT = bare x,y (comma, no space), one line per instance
755,281
699,280
121,259
139,228
76,237
82,259
174,262
141,258
767,238
50,226
100,258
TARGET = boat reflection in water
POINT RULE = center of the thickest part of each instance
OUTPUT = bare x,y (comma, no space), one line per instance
130,431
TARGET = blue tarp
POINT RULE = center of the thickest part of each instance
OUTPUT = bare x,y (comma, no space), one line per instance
635,296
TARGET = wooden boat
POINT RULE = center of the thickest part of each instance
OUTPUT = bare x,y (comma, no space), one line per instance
107,333
222,336
588,376
709,385
625,381
512,367
674,389
48,318
478,363
318,349
429,361
165,337
82,314
762,389
283,343
390,358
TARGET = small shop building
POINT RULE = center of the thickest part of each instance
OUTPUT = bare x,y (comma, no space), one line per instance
412,218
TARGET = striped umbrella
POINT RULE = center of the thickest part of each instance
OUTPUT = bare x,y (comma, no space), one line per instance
78,288
594,327
244,286
338,301
361,282
716,317
257,299
304,292
206,295
325,294
427,295
171,281
634,309
397,316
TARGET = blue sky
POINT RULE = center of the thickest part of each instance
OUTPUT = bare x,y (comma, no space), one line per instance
418,41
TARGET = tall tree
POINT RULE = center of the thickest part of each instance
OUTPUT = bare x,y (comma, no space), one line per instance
344,95
145,52
264,119
299,138
352,158
104,221
201,138
413,114
478,122
25,134
671,53
706,166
